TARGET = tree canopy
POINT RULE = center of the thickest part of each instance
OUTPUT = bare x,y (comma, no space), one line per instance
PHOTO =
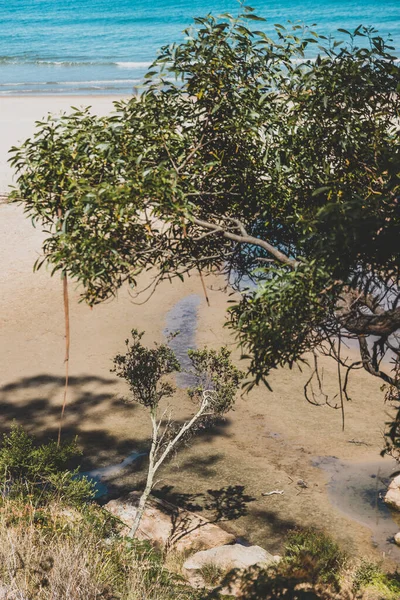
273,161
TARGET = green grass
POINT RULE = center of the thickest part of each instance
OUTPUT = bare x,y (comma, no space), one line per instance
369,575
211,574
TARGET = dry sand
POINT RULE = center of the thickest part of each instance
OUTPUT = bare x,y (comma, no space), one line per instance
19,114
267,443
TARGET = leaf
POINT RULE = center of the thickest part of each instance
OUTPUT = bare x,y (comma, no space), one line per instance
321,190
253,17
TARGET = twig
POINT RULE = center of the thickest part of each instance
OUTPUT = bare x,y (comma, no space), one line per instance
358,442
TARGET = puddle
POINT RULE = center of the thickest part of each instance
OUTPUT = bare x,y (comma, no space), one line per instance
183,318
357,490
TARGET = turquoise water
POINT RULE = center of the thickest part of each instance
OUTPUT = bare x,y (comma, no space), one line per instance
105,46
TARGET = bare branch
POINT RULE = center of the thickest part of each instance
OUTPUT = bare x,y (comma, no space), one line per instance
247,239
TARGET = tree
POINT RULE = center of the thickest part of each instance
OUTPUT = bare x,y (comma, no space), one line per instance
145,370
244,156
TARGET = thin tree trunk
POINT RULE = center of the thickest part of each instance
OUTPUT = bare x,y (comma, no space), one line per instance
154,466
67,346
186,427
150,479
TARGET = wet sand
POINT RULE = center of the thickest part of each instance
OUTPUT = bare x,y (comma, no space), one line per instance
269,442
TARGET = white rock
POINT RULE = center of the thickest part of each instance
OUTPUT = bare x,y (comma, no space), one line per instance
234,556
227,558
397,538
392,497
169,526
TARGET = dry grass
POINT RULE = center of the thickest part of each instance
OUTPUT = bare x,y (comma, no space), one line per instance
54,560
54,553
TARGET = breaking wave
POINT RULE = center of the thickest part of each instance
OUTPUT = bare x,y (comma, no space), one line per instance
26,60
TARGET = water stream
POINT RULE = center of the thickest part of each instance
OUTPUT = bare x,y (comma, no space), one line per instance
183,318
99,476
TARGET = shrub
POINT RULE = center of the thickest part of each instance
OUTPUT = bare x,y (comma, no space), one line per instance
211,574
314,557
370,575
38,471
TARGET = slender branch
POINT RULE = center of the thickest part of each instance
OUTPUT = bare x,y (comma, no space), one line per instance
247,239
204,286
193,152
340,383
186,427
368,366
308,385
356,365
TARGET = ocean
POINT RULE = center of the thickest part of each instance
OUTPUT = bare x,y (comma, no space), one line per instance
105,46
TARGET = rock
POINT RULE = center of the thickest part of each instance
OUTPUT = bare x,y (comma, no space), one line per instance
226,558
392,497
397,539
169,526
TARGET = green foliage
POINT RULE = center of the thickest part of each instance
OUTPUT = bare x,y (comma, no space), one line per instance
311,569
215,373
282,319
144,368
240,149
38,471
314,556
370,575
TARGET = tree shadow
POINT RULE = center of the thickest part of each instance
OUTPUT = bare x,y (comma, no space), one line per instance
205,466
35,403
277,525
221,505
224,504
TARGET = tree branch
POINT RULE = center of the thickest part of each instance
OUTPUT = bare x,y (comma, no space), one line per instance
186,427
369,367
247,239
382,324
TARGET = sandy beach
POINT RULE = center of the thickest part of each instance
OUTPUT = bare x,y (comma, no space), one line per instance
269,442
19,114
